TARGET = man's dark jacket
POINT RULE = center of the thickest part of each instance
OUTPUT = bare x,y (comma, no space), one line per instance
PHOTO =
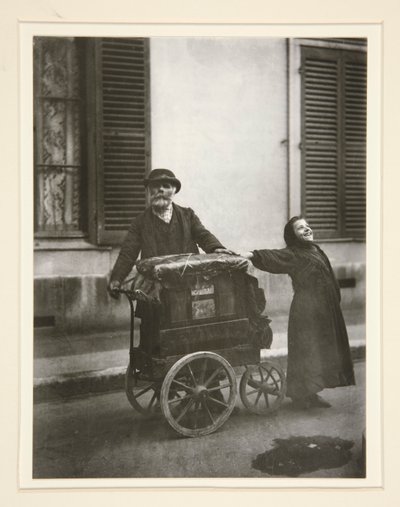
142,237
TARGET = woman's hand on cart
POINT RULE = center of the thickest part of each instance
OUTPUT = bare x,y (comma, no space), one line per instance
224,251
246,255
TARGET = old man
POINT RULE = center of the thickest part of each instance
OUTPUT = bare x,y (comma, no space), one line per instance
164,228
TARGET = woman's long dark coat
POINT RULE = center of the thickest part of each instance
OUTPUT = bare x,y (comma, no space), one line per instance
318,345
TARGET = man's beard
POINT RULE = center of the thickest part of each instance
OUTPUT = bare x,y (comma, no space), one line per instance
160,202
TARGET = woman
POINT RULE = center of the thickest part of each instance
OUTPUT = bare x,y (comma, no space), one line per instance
318,346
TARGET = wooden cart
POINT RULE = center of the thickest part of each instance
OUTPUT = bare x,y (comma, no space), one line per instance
201,326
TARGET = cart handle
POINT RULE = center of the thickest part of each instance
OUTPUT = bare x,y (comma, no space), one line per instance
132,295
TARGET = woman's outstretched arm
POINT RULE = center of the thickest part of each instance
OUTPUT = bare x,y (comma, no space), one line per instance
273,261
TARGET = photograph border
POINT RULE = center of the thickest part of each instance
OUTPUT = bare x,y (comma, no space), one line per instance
385,12
373,31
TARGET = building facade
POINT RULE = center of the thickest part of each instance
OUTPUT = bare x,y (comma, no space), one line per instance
256,129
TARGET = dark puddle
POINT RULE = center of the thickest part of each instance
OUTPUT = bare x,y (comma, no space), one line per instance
299,455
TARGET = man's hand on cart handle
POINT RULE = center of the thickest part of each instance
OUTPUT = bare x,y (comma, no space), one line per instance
114,289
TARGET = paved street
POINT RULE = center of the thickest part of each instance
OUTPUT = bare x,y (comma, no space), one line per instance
101,436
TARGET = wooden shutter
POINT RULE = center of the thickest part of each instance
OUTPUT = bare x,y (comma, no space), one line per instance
334,141
355,123
320,141
122,134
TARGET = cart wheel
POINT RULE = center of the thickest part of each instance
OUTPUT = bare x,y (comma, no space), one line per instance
198,393
263,387
143,395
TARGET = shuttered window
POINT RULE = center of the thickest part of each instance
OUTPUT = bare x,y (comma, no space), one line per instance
92,135
334,95
121,132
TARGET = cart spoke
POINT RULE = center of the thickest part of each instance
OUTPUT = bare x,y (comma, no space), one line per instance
219,387
275,382
181,398
143,391
258,398
261,375
269,375
184,386
196,413
205,406
221,403
266,399
252,392
254,383
203,371
188,405
272,392
153,399
273,389
192,375
213,375
268,371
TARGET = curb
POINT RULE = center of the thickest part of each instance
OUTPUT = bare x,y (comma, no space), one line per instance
61,387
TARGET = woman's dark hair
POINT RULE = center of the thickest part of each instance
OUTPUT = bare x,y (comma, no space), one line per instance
288,232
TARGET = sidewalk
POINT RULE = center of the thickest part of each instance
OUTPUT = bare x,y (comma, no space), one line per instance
80,364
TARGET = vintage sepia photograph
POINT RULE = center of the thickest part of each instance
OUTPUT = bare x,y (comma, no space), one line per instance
199,257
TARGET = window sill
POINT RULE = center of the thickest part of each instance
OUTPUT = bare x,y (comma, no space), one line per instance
340,240
62,244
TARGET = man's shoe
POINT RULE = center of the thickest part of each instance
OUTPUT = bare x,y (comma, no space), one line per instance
317,401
